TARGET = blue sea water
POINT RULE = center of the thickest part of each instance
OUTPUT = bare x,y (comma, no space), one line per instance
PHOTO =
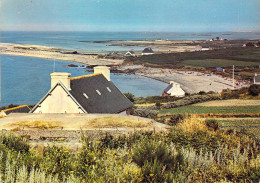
72,40
25,80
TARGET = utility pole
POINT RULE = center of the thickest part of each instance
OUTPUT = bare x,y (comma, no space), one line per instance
233,77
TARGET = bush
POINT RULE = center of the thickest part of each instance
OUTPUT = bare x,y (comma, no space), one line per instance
193,99
130,96
147,112
158,105
15,143
175,119
254,90
212,124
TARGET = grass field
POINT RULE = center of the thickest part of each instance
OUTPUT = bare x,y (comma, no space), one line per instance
193,109
255,55
217,63
219,57
252,125
231,102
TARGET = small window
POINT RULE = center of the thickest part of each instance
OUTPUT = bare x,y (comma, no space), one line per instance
98,92
108,89
85,95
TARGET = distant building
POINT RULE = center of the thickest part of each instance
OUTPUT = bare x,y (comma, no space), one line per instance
130,53
147,51
19,109
93,93
173,89
219,69
257,79
200,48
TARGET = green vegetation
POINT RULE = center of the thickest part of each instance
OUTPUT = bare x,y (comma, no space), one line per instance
251,125
194,151
192,109
217,63
173,60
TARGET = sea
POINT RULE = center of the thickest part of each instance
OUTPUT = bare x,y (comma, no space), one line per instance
25,80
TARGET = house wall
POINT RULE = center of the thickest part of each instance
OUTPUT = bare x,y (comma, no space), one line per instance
176,91
58,102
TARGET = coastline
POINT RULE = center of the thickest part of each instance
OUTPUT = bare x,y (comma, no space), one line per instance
190,81
55,53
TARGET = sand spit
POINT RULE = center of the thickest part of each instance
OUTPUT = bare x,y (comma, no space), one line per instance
55,53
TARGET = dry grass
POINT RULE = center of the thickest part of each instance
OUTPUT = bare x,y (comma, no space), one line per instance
232,102
120,122
148,104
37,124
192,125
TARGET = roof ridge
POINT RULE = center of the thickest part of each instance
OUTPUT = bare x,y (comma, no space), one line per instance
18,107
85,76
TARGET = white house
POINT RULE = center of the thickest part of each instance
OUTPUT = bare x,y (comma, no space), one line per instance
257,79
130,53
94,93
173,89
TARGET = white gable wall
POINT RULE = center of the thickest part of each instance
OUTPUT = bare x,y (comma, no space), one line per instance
58,102
176,91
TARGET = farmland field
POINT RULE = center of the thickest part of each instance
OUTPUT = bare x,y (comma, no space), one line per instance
217,63
252,125
193,109
232,102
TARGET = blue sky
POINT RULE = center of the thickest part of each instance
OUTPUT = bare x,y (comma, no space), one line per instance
131,15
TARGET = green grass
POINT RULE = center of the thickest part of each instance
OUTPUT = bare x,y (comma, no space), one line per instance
252,125
217,63
255,55
192,109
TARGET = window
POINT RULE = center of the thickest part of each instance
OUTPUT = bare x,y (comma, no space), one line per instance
108,89
85,95
98,92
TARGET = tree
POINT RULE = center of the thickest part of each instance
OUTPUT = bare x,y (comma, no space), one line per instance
250,44
130,96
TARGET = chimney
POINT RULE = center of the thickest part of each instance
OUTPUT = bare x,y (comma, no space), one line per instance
63,77
103,70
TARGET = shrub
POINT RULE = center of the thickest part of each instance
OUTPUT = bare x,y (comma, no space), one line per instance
130,96
148,112
16,143
191,100
152,151
254,90
175,119
212,124
57,160
158,105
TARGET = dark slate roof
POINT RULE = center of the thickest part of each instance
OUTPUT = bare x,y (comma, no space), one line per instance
19,109
167,88
131,51
147,50
257,79
107,102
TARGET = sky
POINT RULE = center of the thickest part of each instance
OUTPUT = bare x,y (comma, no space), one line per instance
130,15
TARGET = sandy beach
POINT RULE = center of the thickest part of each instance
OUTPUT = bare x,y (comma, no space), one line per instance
54,53
190,81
